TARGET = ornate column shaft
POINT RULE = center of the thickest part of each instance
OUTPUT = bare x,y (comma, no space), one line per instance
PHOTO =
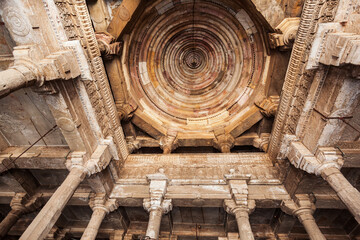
156,205
20,204
92,228
49,214
325,163
303,209
79,167
349,195
241,214
100,207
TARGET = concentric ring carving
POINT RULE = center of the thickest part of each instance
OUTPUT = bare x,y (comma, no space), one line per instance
191,61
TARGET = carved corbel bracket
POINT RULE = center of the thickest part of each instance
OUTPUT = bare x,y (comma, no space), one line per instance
302,158
23,203
169,142
98,161
223,141
158,186
126,110
268,106
32,67
262,142
101,201
107,46
285,34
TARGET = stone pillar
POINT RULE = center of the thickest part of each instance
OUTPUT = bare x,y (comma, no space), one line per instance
100,207
49,214
325,163
31,67
349,195
239,205
241,213
20,204
303,209
79,167
156,205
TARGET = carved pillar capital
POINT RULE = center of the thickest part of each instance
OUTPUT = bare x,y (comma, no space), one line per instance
98,161
232,208
151,205
325,158
22,203
169,142
98,201
223,141
303,204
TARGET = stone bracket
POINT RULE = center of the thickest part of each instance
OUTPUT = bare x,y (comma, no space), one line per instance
302,158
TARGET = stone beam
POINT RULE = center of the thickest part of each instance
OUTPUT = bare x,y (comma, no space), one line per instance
37,157
196,167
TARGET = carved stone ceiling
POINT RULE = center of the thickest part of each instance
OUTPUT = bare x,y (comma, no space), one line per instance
196,66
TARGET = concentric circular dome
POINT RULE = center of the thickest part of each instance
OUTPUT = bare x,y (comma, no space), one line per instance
194,63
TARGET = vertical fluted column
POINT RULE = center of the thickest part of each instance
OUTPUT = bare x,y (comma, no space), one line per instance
303,209
156,205
241,213
346,192
20,204
100,206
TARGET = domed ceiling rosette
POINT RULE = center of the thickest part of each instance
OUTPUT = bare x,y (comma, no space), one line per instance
196,66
